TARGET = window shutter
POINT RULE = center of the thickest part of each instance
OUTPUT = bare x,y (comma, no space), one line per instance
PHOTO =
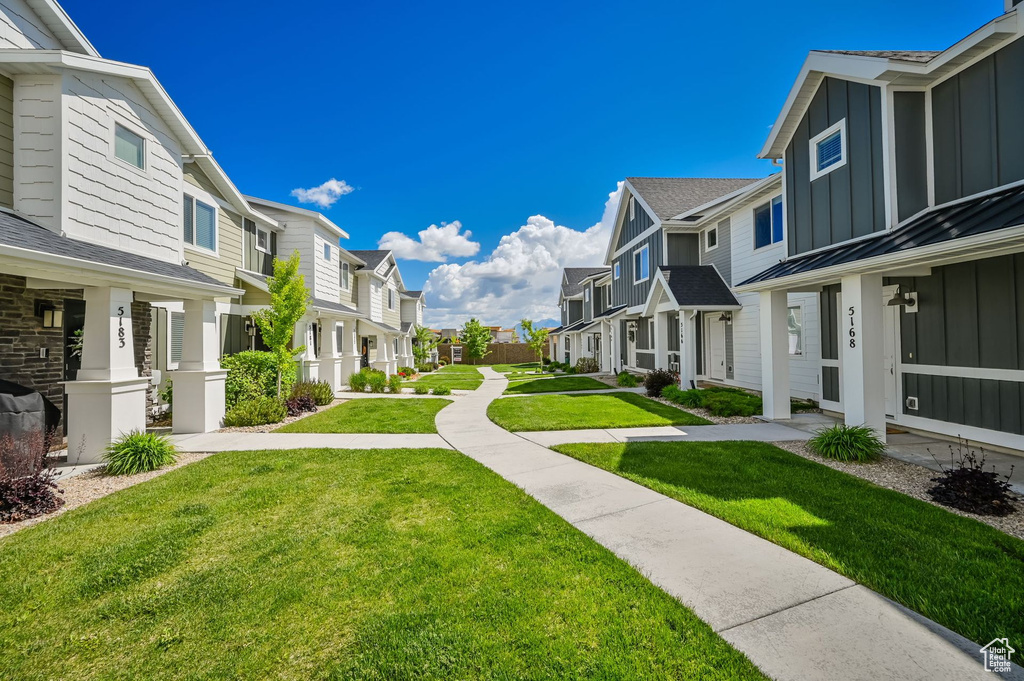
187,212
177,335
762,226
206,228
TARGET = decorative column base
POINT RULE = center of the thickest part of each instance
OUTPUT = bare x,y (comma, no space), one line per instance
198,401
309,370
330,371
350,364
381,365
99,412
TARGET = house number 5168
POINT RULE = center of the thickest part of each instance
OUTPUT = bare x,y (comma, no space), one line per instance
853,329
120,326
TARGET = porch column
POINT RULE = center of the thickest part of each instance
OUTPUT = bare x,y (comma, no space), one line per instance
774,310
381,362
606,342
661,340
330,365
351,358
199,380
687,349
108,398
861,334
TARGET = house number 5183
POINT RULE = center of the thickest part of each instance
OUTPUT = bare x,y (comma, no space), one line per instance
120,326
853,329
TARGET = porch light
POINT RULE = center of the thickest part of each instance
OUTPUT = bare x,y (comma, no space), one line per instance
898,299
52,317
726,317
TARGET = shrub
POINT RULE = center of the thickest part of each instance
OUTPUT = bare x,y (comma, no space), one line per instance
395,383
320,392
626,380
587,365
442,362
424,368
28,487
655,381
692,398
299,405
847,443
358,382
727,403
257,412
967,486
377,380
421,389
442,390
406,371
139,452
253,374
569,370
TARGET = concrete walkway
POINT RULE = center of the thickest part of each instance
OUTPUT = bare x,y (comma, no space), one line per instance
231,442
758,432
794,618
596,391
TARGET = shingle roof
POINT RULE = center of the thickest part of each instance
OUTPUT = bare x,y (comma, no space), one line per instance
610,311
698,286
371,258
945,223
919,56
572,284
670,196
406,327
329,305
412,294
18,232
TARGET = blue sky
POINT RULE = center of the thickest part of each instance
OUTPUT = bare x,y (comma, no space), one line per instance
489,113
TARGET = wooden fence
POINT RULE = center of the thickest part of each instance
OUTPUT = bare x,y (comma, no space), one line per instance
497,353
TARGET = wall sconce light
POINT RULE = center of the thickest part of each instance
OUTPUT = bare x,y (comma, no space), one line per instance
52,317
726,317
908,299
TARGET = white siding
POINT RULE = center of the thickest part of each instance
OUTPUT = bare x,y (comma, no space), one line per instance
376,308
327,282
297,236
21,28
746,262
37,150
106,200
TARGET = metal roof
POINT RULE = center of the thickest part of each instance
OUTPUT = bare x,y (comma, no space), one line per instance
945,223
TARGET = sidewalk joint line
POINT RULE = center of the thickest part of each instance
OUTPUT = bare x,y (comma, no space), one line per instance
788,607
621,510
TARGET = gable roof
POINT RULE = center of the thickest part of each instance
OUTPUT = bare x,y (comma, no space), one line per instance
371,258
918,56
697,286
313,215
62,27
573,277
670,196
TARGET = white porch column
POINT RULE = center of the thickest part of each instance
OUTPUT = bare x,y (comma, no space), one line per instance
687,349
199,380
606,342
661,340
108,398
383,353
330,364
774,311
861,336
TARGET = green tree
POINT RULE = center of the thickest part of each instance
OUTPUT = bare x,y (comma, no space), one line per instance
288,296
536,338
475,338
424,344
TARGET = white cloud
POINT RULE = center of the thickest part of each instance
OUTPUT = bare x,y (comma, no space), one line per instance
521,277
326,194
435,243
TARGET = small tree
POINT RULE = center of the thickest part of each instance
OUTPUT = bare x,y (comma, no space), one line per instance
288,296
475,338
424,344
536,339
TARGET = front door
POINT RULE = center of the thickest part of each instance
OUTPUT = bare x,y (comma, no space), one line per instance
890,348
74,325
716,351
364,350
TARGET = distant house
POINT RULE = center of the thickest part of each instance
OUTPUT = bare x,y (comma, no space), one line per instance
449,335
501,335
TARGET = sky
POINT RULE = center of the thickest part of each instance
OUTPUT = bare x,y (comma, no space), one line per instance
486,142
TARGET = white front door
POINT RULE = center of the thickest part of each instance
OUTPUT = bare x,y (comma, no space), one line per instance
890,349
716,351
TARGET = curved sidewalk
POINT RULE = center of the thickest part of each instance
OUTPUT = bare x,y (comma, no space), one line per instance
792,617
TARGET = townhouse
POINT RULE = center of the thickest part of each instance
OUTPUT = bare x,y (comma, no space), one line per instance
903,191
569,342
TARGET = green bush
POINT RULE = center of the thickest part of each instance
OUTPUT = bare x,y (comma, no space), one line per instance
587,365
377,380
626,380
847,443
442,390
656,381
138,452
421,389
725,403
320,392
358,382
395,383
687,398
424,368
408,371
257,412
253,374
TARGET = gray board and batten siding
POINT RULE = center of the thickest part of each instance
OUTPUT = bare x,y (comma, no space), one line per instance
624,290
721,256
683,249
911,153
848,202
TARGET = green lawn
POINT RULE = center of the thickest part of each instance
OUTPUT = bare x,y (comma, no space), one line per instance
954,570
456,377
373,415
554,385
386,564
576,412
510,368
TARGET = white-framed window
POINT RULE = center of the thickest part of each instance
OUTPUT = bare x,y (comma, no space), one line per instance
396,347
711,239
641,265
768,224
129,146
586,294
262,240
828,150
795,322
391,299
607,296
345,277
200,224
616,270
339,330
327,252
650,333
632,209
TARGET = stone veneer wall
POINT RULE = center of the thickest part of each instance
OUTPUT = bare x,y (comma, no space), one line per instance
22,335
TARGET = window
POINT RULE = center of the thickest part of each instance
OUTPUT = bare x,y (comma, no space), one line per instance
586,294
711,239
200,224
391,299
177,337
768,224
339,330
616,270
129,147
796,329
345,276
632,209
263,240
828,150
396,347
327,252
641,265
